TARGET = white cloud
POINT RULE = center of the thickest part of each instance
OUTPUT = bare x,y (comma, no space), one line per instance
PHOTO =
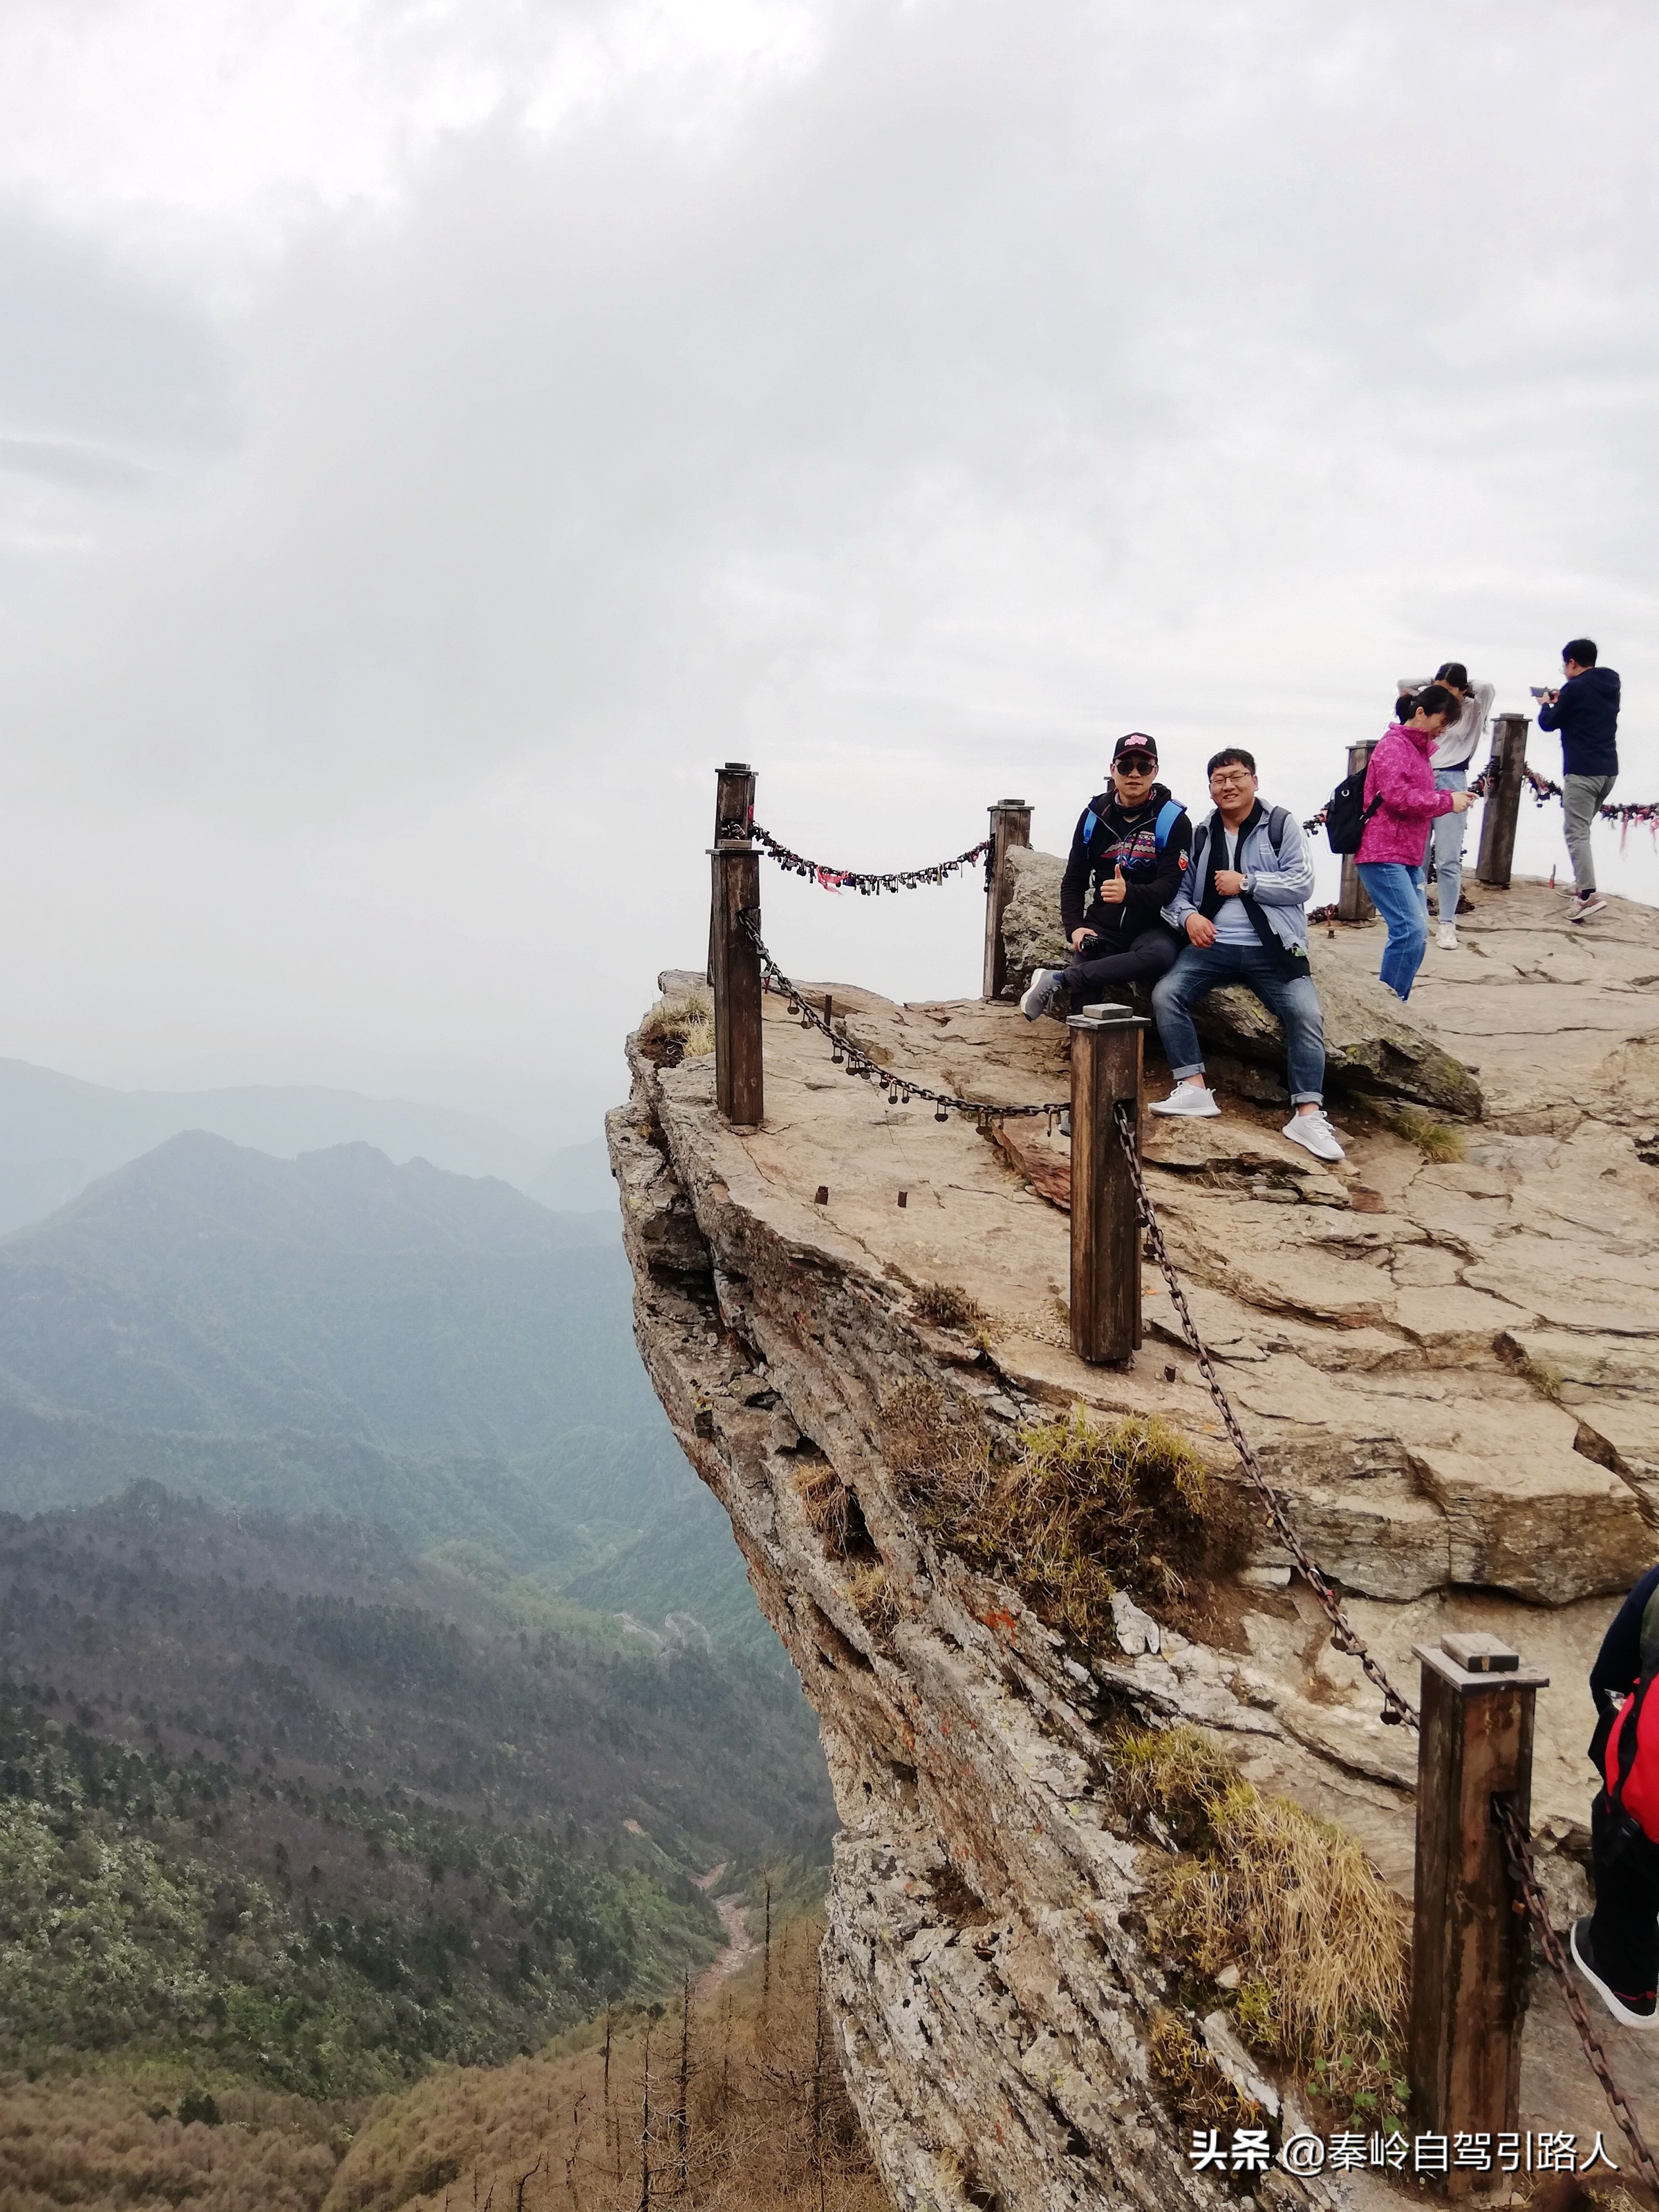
447,432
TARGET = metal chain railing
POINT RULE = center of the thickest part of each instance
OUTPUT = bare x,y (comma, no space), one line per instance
1623,812
859,1063
867,884
1397,1709
1523,1868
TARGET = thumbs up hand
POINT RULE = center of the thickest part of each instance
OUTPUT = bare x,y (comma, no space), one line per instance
1118,890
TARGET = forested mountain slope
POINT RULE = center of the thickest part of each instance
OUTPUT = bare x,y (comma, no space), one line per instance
286,1804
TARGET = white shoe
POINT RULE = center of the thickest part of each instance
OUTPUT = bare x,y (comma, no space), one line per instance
1314,1135
1040,994
1191,1099
1449,938
1586,906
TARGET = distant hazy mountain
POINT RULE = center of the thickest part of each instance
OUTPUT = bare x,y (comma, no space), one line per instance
433,1352
58,1134
578,1179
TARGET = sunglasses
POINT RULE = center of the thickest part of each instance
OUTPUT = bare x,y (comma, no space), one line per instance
1136,763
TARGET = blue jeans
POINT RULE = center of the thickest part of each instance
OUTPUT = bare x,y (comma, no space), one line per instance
1203,968
1446,843
1401,897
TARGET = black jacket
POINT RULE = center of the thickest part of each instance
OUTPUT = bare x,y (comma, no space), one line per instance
1129,841
1587,715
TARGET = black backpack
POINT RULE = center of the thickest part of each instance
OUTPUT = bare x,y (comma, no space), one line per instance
1347,813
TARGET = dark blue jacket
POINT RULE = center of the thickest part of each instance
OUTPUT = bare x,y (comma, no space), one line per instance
1587,715
1115,839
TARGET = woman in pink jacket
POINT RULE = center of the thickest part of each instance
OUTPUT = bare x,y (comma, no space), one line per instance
1402,800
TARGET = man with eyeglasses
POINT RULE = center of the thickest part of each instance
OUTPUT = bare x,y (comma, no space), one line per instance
1242,907
1127,853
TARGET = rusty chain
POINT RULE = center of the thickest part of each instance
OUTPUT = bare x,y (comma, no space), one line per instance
1397,1709
866,883
1524,1869
859,1064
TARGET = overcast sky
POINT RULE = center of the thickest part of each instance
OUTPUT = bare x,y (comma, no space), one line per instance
432,436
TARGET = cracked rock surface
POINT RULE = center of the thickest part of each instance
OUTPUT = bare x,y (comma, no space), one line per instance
1448,1366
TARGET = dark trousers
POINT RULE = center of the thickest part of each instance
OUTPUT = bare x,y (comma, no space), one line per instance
1625,1933
1142,960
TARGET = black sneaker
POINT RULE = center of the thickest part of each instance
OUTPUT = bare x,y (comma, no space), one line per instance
1633,2012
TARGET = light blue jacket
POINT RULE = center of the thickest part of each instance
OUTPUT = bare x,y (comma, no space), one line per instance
1278,870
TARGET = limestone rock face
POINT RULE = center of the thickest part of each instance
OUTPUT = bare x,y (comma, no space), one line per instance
1031,934
1371,1045
1448,1367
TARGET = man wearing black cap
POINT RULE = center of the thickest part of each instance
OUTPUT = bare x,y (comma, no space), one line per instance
1127,856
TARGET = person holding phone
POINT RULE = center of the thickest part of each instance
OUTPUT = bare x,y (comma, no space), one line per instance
1456,747
1401,801
1585,710
1127,853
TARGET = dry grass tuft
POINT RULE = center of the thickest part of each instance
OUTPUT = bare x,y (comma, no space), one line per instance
870,1594
1319,1941
1198,2092
947,1305
830,1506
1069,1511
679,1027
1434,1139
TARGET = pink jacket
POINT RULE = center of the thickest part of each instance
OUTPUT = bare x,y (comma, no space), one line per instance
1400,776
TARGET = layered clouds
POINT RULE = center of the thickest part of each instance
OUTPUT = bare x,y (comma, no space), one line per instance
431,438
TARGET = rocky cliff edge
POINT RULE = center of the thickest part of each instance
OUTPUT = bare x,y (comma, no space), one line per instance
1447,1362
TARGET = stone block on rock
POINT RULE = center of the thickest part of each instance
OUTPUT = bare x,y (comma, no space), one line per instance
1552,1528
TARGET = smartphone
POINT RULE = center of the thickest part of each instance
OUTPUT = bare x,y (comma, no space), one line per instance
1541,690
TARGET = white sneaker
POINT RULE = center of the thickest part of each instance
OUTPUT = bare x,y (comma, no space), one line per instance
1314,1135
1588,905
1191,1099
1040,994
1449,938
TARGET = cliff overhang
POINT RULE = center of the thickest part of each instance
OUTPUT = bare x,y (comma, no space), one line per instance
1447,1363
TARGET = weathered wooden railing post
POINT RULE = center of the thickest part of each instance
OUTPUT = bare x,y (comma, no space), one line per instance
1469,1935
1010,824
1505,776
1352,902
740,1091
734,817
1106,1056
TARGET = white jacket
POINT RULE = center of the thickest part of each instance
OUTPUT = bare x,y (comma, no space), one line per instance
1460,741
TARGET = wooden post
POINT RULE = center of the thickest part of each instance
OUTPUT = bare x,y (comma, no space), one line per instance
1106,1055
734,817
1502,807
1352,902
739,1088
1010,824
1468,1933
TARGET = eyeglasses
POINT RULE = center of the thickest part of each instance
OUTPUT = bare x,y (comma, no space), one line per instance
1135,763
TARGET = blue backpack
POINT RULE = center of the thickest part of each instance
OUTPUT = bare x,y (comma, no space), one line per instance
1168,814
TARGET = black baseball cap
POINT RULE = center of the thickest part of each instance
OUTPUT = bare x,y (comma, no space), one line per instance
1135,741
